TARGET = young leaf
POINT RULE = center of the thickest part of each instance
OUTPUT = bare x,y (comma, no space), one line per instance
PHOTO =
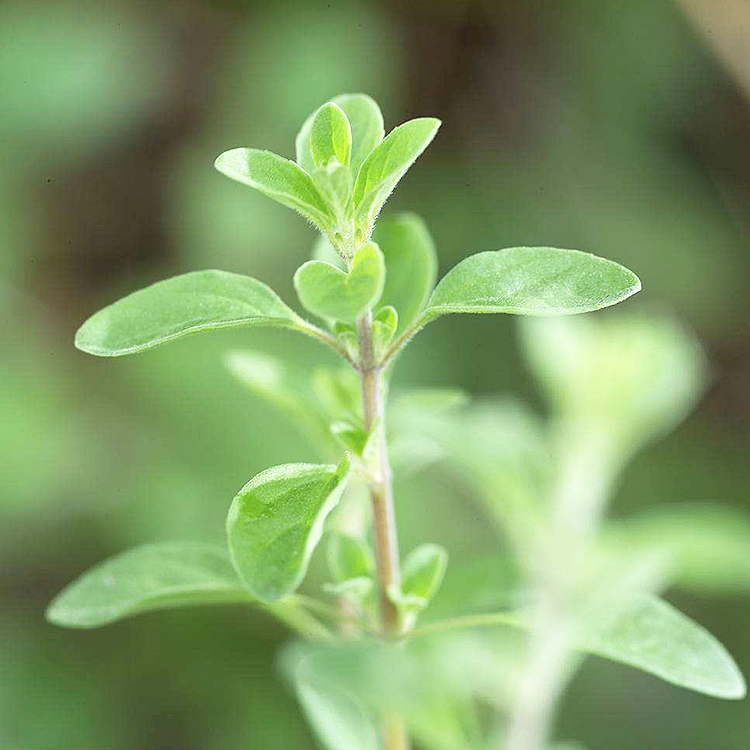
349,557
387,164
170,309
422,574
353,438
423,571
366,122
329,292
335,185
330,136
278,178
384,325
410,262
276,520
151,577
531,281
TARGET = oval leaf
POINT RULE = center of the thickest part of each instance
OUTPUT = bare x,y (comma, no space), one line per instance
387,164
410,262
185,304
646,633
278,178
151,577
276,520
330,136
366,122
329,292
531,281
652,635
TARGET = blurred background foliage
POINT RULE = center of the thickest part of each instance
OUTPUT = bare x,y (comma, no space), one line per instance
617,128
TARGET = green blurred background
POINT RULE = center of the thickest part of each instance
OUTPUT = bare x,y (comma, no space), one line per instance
616,128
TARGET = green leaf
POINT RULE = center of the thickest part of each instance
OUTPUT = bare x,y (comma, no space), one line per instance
351,436
276,520
410,262
335,185
384,325
423,571
531,281
647,633
331,293
339,720
190,303
387,164
151,577
653,636
339,392
707,544
634,376
366,122
323,250
349,557
330,136
278,178
273,380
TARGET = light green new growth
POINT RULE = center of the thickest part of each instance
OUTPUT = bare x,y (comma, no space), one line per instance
373,287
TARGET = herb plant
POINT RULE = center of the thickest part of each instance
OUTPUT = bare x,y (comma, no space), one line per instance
367,668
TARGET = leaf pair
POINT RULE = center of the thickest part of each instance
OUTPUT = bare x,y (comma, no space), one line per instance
345,169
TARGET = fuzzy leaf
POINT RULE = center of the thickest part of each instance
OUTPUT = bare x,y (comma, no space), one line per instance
531,281
410,262
330,136
170,309
278,178
366,124
331,293
151,577
276,521
387,164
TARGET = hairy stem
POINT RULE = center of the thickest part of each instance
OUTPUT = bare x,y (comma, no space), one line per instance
381,481
394,735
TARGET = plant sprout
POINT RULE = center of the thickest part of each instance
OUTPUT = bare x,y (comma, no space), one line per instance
367,669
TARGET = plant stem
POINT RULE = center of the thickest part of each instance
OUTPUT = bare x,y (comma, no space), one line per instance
394,734
381,481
